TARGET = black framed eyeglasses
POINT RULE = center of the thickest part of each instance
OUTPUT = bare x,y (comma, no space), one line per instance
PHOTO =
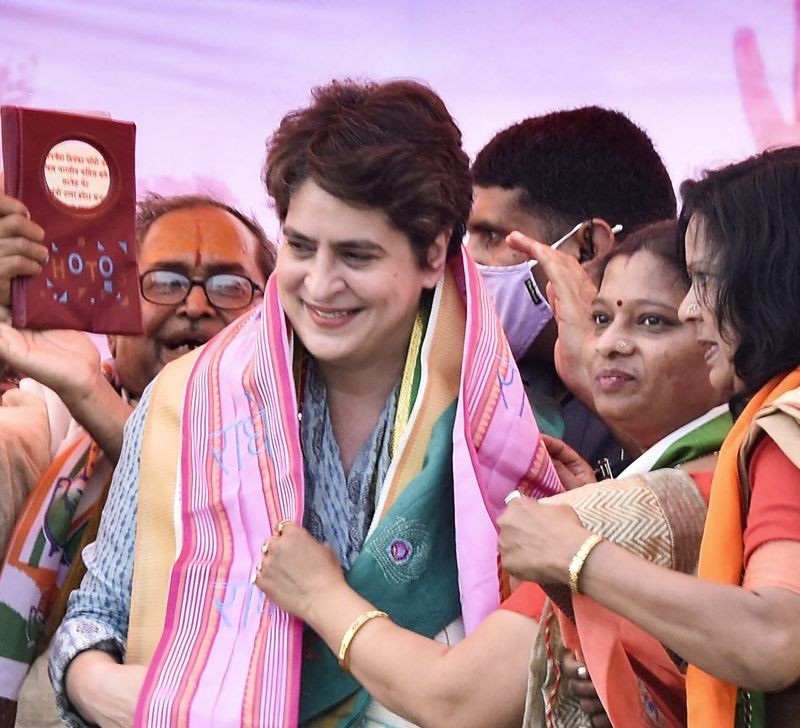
223,290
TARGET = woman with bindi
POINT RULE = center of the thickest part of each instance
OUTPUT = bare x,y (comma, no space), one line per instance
734,620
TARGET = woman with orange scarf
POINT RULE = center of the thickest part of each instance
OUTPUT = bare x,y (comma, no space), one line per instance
736,623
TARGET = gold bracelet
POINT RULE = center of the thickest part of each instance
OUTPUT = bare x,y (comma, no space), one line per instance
359,622
576,565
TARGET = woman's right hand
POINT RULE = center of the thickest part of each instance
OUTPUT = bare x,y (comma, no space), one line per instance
572,469
297,571
570,292
538,540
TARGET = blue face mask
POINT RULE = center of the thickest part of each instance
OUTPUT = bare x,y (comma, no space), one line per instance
521,307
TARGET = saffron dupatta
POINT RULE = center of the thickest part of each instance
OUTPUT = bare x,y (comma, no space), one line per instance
241,473
712,702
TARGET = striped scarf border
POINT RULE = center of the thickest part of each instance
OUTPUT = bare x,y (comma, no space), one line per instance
184,662
191,666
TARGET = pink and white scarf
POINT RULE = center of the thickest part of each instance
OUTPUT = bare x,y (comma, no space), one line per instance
226,656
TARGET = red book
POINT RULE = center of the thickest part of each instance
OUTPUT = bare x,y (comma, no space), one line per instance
75,174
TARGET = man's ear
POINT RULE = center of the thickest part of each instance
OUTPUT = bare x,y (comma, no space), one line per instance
111,339
603,239
437,257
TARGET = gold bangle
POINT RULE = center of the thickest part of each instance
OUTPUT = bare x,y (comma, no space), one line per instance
359,622
576,565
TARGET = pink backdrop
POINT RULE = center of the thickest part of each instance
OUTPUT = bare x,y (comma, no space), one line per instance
207,80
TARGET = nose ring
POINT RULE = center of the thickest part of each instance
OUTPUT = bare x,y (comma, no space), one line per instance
621,345
692,309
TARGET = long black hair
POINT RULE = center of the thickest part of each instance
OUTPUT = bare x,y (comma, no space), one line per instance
750,214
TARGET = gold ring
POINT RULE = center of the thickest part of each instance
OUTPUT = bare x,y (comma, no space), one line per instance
282,524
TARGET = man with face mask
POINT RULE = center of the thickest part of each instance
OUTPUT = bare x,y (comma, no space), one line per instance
567,177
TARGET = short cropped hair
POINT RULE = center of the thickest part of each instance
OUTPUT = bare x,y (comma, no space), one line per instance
580,163
750,214
388,146
154,206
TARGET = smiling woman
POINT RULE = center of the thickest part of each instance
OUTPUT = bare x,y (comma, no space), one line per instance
366,399
351,285
645,367
643,370
350,282
735,623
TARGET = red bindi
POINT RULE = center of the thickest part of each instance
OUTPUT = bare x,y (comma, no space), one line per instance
619,304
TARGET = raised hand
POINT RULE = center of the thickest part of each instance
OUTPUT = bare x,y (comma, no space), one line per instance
21,250
570,292
764,117
68,363
65,361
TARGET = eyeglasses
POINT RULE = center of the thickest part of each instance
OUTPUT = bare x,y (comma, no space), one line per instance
223,290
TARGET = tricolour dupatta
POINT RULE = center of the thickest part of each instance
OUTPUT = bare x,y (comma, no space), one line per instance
45,539
223,656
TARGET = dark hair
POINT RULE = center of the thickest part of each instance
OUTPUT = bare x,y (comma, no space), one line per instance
749,213
576,164
388,146
658,238
154,206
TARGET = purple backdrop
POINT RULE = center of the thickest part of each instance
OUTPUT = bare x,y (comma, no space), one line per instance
207,80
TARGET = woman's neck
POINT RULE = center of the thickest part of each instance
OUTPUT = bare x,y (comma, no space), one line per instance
356,398
646,438
371,382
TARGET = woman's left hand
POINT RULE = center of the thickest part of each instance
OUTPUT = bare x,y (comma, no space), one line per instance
537,541
297,570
